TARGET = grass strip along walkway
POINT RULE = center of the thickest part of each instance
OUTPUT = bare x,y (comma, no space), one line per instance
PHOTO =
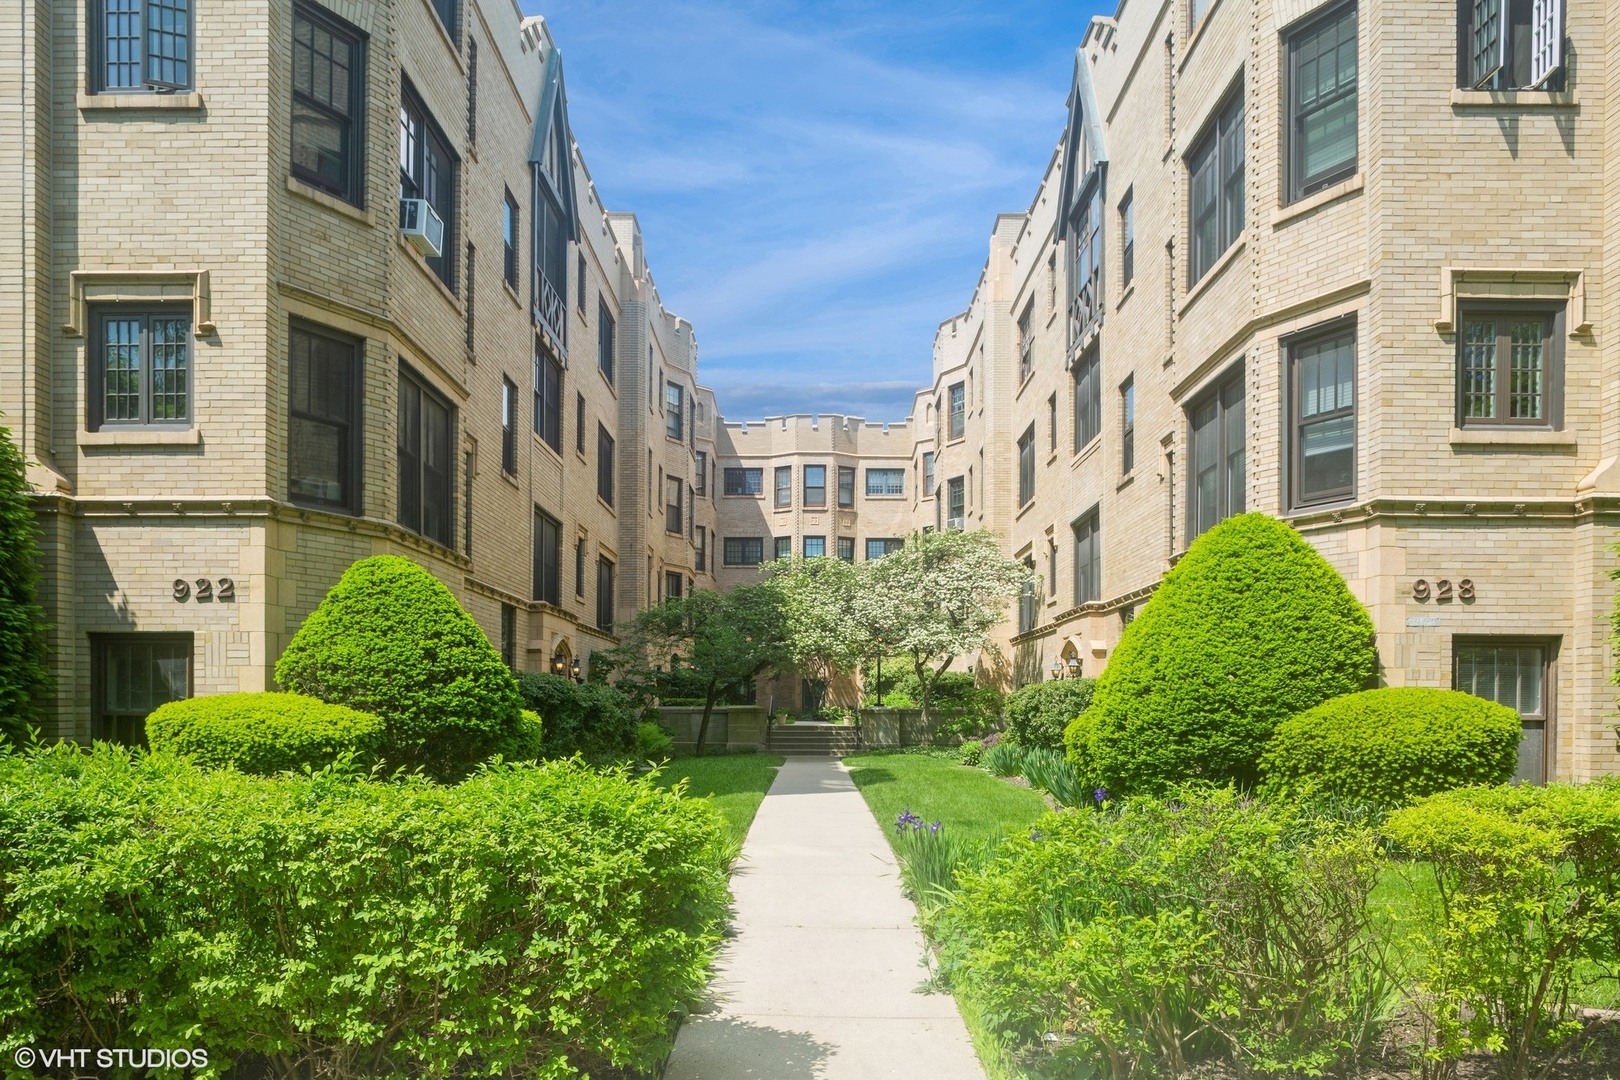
735,783
968,802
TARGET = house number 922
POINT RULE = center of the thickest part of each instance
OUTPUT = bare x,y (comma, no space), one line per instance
205,589
1443,590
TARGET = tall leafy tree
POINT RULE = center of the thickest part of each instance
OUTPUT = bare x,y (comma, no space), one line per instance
936,599
23,674
824,639
716,640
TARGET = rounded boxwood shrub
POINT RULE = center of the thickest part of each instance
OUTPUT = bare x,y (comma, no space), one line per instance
598,721
1251,627
390,639
1037,714
525,741
1393,745
264,734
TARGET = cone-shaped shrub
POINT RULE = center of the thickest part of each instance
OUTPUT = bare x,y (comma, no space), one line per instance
22,622
1394,745
390,639
1251,627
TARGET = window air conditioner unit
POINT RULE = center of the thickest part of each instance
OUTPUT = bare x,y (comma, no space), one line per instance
422,226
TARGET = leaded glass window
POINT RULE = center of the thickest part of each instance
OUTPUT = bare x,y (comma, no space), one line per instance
140,371
327,84
141,45
1506,370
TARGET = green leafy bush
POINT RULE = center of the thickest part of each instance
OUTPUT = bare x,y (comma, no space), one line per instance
1529,888
1004,758
23,673
264,734
970,752
1038,714
1136,941
1390,746
1077,748
653,743
956,696
532,921
931,860
390,639
1049,771
1252,626
525,740
582,718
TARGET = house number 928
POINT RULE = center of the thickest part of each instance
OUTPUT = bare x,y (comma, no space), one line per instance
1443,590
205,589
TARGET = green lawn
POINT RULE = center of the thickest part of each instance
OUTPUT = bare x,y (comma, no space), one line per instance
735,783
972,803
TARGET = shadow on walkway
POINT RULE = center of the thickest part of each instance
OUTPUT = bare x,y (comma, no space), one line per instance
727,1048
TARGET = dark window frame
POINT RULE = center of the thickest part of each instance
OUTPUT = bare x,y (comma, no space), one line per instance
1217,164
509,392
579,423
846,486
1298,422
890,544
1028,599
1299,184
700,549
1552,316
96,369
1087,533
746,478
820,540
735,550
449,13
1127,239
811,501
1127,425
419,180
1226,395
674,505
548,395
119,725
351,439
604,464
958,399
546,579
352,187
846,548
511,230
1026,342
509,636
1514,44
928,474
1026,467
417,459
782,494
98,52
579,567
783,548
1087,375
702,486
886,489
956,502
606,571
1548,718
674,411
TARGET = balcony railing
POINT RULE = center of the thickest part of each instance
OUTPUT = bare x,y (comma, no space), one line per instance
551,312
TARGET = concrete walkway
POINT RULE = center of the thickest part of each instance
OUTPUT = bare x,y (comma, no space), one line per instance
818,981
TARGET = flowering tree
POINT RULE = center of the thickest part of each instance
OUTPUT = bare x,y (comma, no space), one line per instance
818,598
935,599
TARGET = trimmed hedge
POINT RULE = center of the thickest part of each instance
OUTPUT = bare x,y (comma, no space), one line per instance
264,734
597,721
1252,626
532,921
390,639
1391,746
1077,748
1037,714
526,740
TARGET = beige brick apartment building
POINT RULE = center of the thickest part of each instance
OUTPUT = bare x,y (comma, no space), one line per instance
298,281
1341,262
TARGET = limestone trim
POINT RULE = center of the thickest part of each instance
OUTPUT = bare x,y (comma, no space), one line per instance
140,102
1515,99
86,287
329,202
362,319
1456,509
1282,215
1507,437
1513,283
1092,607
1211,275
139,436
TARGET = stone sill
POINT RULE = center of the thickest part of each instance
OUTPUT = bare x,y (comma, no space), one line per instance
142,102
329,202
1516,99
1211,275
1506,436
1284,214
139,437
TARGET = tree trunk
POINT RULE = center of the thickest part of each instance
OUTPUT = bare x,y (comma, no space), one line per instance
927,686
708,711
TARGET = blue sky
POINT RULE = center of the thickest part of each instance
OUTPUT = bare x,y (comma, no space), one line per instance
816,182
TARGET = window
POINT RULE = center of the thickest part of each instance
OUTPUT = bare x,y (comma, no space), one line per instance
846,484
604,465
815,547
141,45
508,426
1051,284
140,371
1323,375
784,485
1087,398
879,547
674,410
579,280
423,445
672,585
1199,9
547,558
469,469
509,636
1028,601
784,547
509,239
132,674
815,485
1127,239
547,397
447,15
1127,425
1510,44
323,421
956,500
1215,178
1215,459
846,548
1051,567
579,423
1085,240
604,339
742,550
958,410
1322,102
673,515
928,474
700,549
427,170
579,567
1509,368
328,92
1026,342
1026,466
744,481
882,482
702,472
1515,674
1087,559
604,592
1051,422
